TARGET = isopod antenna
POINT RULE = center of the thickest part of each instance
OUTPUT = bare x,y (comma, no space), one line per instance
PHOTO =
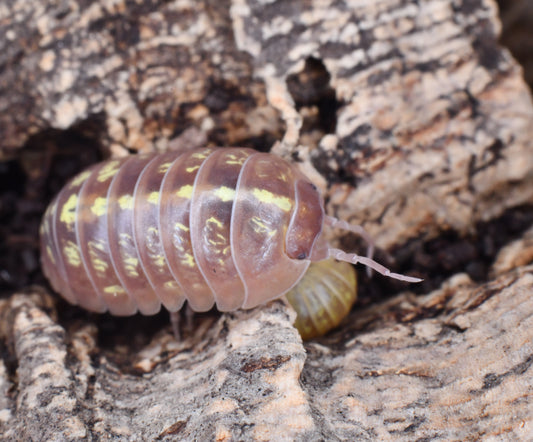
353,258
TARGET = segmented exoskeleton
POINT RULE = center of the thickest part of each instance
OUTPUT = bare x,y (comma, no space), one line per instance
323,297
231,227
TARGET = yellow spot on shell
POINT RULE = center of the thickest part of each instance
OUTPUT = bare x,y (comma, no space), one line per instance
261,228
267,197
171,285
107,171
68,211
159,261
180,226
191,169
131,261
236,160
188,261
80,178
72,253
184,191
125,240
164,167
130,265
50,254
225,193
215,221
99,207
153,197
99,264
114,289
126,202
200,155
96,245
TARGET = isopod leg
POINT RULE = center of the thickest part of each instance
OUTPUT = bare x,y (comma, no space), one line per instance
175,321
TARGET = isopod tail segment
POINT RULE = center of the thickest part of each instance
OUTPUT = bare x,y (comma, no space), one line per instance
306,240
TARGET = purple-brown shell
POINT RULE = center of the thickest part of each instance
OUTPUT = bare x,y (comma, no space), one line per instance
231,227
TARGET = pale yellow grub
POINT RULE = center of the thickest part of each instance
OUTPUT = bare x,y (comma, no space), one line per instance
50,254
267,197
164,167
225,193
126,202
68,211
180,226
114,289
184,191
107,171
80,178
99,207
153,198
72,254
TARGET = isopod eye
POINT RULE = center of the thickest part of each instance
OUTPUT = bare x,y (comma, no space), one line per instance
306,223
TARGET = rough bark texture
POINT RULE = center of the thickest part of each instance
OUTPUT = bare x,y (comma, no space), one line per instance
407,114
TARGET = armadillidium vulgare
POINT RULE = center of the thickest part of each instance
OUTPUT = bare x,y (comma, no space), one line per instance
231,227
323,297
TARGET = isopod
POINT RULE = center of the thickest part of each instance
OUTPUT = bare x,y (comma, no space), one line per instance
231,227
323,297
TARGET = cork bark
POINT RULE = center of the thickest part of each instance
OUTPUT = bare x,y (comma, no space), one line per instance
412,120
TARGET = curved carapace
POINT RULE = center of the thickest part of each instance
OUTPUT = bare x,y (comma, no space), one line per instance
207,226
323,297
231,227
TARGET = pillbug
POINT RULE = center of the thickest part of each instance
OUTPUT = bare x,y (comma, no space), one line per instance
323,297
231,227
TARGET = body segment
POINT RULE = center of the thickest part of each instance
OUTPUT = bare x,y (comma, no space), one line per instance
323,297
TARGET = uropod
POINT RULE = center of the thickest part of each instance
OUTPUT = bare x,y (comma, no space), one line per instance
230,227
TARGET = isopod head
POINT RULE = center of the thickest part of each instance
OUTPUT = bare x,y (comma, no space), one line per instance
323,297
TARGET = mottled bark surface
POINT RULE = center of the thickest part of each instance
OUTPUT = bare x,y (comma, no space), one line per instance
408,115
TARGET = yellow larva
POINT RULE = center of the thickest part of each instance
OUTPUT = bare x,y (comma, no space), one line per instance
323,297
